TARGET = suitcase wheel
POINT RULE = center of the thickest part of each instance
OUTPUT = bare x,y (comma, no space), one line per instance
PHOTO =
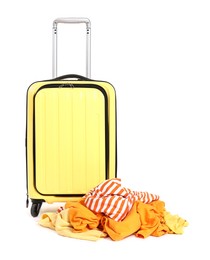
35,208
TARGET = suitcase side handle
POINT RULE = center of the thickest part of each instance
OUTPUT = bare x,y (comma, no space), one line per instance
72,20
71,76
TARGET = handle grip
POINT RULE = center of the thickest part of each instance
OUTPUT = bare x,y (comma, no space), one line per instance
72,20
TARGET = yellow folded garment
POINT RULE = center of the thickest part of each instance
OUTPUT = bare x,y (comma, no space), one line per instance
175,222
117,230
64,228
61,223
48,220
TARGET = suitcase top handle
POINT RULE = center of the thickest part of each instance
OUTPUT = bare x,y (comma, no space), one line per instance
71,76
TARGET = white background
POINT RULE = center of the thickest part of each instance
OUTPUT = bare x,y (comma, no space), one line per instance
157,56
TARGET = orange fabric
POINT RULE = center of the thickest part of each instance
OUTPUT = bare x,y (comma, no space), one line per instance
81,218
113,200
143,220
119,230
152,219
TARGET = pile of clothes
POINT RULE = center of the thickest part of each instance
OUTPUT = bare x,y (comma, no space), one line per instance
111,210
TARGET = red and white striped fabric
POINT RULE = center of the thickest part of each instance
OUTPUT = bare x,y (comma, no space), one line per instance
113,200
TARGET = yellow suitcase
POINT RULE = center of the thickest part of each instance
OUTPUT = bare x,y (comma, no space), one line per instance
70,138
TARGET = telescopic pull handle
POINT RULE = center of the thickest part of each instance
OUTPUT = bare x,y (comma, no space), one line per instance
72,20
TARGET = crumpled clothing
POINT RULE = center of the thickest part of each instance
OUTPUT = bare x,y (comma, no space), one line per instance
112,210
64,224
143,220
113,200
152,219
80,217
175,222
118,230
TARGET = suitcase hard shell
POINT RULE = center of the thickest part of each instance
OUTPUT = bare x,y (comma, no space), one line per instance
70,138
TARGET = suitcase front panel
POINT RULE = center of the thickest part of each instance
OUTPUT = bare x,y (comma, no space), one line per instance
70,140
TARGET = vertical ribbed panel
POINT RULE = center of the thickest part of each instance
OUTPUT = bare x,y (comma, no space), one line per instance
69,140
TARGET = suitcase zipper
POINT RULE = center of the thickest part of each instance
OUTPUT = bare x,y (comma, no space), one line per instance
27,200
66,86
70,85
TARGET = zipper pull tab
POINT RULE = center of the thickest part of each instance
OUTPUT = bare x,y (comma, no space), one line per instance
69,85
